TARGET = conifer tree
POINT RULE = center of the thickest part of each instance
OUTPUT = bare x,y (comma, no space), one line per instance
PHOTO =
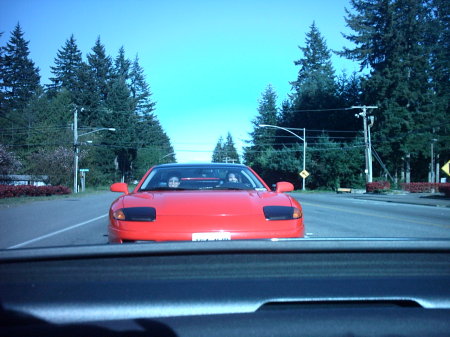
263,138
218,153
229,151
140,90
390,38
2,84
120,115
19,76
101,67
122,65
315,87
67,66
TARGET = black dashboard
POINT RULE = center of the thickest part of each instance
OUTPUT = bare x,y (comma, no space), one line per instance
303,287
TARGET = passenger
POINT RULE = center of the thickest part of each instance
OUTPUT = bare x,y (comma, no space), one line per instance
232,177
173,182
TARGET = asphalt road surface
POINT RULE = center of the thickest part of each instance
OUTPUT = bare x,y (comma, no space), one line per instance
348,215
83,220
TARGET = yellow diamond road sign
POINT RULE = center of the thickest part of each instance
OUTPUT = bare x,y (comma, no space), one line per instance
304,174
446,168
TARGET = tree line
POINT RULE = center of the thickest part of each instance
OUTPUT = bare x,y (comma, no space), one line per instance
402,47
225,151
37,121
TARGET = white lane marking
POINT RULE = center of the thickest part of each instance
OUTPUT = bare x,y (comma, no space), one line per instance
57,232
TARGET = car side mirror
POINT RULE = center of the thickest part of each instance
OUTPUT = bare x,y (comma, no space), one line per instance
284,186
119,187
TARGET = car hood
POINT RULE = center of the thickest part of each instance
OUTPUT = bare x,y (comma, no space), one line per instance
213,203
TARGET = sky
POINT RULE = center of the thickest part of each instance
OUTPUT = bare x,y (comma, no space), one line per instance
207,62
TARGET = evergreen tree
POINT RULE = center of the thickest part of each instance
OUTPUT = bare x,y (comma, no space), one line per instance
67,66
121,116
333,165
315,87
122,65
2,83
86,95
20,78
218,153
438,32
225,151
101,67
94,85
229,151
263,138
154,144
390,38
53,115
349,93
140,90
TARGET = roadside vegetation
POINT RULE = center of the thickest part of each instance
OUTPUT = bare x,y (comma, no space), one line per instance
23,199
402,47
403,51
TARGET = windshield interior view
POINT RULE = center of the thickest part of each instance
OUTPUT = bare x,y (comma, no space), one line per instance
225,168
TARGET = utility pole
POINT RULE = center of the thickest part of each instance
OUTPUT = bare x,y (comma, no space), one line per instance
75,149
75,146
432,164
367,139
304,157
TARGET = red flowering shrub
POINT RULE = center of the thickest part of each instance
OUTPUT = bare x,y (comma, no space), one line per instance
10,191
378,186
420,187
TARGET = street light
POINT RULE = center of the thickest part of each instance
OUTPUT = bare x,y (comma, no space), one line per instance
101,129
169,154
75,145
302,139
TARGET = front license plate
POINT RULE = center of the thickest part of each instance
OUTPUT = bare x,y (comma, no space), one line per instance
215,236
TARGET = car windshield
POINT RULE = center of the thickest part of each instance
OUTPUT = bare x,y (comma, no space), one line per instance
221,120
201,178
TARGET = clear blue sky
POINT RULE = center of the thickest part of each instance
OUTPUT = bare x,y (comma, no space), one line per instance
207,62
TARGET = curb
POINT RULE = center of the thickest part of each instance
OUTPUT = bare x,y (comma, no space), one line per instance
408,202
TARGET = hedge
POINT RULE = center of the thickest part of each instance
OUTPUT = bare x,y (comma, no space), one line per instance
11,191
424,187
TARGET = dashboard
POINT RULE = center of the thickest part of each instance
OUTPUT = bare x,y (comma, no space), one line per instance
304,287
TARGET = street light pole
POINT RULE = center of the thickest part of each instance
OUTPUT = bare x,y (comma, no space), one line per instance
432,172
302,139
304,156
75,146
75,149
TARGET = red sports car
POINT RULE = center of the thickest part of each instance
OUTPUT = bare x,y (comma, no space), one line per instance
203,202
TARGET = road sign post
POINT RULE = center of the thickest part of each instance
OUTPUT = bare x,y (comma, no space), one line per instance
83,179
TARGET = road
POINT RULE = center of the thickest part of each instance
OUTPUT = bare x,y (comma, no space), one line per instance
68,221
348,215
83,220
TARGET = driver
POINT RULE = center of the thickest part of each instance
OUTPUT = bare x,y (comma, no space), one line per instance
173,182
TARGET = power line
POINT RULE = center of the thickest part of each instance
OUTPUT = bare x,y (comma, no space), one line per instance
345,148
312,110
